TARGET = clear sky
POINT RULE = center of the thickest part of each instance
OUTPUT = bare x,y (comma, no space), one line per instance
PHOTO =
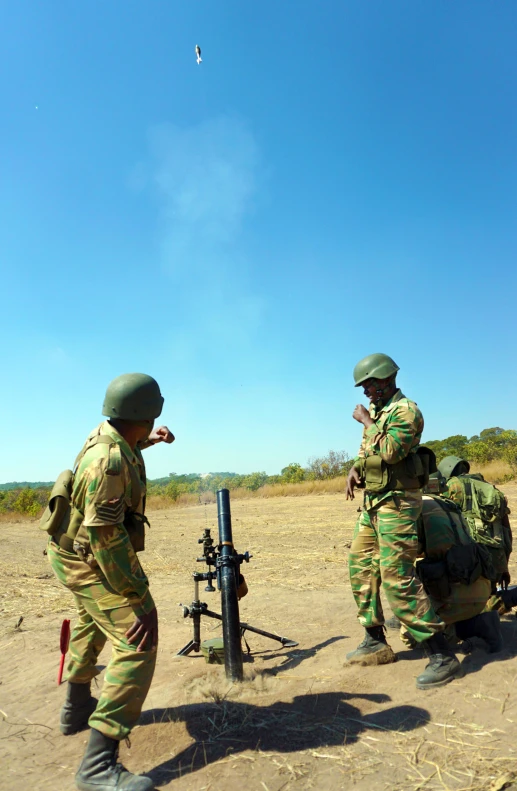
334,179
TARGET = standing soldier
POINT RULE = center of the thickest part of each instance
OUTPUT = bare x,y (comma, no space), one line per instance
385,544
93,553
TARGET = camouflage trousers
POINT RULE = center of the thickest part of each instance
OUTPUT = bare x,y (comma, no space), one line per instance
383,553
464,602
105,615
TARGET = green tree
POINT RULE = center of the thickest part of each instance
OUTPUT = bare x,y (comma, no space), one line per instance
451,446
254,480
27,502
332,465
293,473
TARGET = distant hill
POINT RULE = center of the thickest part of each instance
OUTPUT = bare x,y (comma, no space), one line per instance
7,487
192,476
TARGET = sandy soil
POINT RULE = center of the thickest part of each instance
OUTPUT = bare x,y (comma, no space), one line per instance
301,720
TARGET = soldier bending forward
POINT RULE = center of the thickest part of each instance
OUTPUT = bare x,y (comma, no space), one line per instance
95,557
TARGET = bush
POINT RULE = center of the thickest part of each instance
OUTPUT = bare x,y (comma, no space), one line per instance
334,464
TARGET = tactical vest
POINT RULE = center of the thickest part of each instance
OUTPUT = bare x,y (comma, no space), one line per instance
63,520
410,473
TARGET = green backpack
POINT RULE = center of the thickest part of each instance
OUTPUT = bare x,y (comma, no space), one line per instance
486,512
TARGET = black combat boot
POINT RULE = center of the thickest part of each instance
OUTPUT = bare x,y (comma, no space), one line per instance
508,597
443,665
487,626
76,711
374,650
99,770
392,623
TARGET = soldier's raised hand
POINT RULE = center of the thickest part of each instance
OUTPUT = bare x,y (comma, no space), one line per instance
161,434
362,415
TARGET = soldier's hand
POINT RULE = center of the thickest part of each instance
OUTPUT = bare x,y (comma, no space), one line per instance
353,480
161,434
362,415
144,631
505,580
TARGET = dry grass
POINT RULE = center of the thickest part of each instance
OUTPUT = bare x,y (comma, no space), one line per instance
496,471
447,754
274,733
329,486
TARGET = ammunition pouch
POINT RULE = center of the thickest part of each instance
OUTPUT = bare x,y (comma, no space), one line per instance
433,576
135,525
463,563
56,516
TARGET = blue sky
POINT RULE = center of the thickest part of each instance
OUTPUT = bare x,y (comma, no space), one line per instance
335,179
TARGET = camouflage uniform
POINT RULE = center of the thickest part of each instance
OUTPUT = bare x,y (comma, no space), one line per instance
112,588
385,544
437,536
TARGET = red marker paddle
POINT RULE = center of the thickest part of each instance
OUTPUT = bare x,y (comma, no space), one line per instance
64,639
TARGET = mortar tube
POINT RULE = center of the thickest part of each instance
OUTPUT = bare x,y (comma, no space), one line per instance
228,578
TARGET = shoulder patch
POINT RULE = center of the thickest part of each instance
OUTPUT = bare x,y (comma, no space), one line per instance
114,465
112,511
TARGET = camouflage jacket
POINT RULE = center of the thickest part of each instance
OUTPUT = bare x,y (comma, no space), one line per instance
102,492
396,430
435,532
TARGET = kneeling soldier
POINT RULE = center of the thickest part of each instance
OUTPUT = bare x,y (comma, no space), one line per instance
456,573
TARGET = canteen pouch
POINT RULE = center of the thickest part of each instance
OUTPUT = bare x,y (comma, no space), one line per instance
135,525
376,474
433,576
56,516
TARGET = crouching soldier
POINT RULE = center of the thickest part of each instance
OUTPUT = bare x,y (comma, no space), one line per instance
485,510
456,573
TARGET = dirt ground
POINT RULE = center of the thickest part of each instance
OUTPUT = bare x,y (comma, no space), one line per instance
301,720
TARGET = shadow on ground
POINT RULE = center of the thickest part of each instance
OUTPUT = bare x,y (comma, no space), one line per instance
479,657
294,657
310,721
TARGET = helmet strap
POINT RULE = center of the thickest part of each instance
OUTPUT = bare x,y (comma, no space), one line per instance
384,393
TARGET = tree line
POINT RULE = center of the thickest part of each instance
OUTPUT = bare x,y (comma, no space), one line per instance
489,445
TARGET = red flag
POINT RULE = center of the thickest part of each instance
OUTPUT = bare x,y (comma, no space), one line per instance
64,639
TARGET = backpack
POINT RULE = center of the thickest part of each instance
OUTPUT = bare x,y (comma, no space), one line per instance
464,562
485,510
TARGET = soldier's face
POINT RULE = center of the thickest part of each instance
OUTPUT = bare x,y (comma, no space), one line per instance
370,387
375,389
145,429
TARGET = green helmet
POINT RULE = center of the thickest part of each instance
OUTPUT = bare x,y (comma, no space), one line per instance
133,397
449,464
375,366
